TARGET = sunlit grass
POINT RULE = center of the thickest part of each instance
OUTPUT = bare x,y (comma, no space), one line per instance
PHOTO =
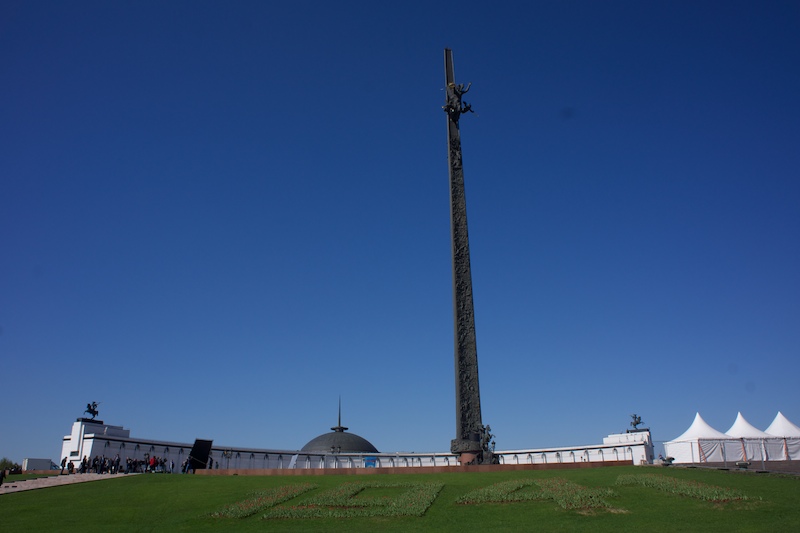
600,499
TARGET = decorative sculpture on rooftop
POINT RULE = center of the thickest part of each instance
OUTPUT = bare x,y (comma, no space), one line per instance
91,408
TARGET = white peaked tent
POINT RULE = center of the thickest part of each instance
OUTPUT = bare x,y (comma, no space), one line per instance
700,429
785,435
752,440
781,427
742,442
687,447
741,428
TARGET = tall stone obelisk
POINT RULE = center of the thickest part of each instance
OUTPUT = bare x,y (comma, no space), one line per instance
471,437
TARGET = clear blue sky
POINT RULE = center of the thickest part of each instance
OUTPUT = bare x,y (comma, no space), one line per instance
218,217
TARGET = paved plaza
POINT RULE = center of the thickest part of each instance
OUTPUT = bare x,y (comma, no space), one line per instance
54,481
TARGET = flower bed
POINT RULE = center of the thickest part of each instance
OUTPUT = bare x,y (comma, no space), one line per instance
570,495
261,500
681,487
566,494
347,501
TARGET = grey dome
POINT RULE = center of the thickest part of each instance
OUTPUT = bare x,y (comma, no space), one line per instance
339,441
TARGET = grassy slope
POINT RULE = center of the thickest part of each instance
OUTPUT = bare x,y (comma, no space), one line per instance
182,503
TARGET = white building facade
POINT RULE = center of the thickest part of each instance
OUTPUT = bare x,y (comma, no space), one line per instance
95,439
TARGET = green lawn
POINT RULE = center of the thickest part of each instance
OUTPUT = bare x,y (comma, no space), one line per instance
601,499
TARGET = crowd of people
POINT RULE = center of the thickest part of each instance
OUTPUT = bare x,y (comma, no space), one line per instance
114,465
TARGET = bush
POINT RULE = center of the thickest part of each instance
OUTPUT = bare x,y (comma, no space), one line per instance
8,464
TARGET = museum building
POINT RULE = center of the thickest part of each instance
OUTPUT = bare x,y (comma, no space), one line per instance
336,449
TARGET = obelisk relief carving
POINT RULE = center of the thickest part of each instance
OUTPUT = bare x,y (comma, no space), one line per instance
472,437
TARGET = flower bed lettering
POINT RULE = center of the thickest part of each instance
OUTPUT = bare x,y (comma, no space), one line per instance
566,494
682,487
258,501
348,500
375,499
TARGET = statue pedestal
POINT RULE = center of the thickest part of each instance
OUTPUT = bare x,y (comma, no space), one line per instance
461,446
467,458
468,451
90,421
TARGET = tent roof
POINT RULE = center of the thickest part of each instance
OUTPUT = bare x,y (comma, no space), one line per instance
701,430
781,427
742,428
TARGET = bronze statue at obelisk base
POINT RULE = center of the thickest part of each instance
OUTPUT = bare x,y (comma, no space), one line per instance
473,440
